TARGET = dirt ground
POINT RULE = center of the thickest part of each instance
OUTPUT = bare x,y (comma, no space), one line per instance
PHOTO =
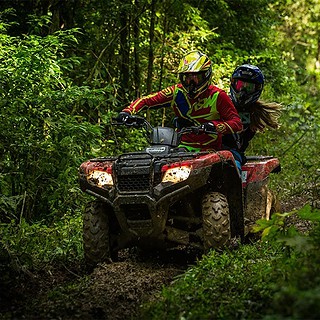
110,291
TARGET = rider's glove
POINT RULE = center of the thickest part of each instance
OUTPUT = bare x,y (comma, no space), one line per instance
208,127
123,117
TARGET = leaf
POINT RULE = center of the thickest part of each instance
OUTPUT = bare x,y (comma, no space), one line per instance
266,232
308,213
299,242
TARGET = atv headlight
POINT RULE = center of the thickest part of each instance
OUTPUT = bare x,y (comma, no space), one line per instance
176,174
101,179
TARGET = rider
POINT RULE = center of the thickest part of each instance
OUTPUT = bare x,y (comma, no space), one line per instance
194,102
246,86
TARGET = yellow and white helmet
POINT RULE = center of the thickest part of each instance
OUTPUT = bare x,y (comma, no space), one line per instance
195,71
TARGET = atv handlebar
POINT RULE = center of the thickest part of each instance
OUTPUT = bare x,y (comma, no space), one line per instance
197,130
132,121
140,122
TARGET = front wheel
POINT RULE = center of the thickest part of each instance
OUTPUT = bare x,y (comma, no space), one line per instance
96,233
216,221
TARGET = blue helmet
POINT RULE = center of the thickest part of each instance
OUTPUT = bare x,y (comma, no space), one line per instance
246,85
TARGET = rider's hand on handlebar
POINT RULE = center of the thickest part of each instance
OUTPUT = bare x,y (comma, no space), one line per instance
208,127
129,120
123,117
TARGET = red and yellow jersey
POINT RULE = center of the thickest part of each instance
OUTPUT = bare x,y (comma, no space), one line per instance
213,105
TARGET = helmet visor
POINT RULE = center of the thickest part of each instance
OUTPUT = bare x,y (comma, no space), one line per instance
192,77
240,85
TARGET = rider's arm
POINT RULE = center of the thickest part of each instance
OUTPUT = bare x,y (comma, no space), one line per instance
246,136
156,100
229,121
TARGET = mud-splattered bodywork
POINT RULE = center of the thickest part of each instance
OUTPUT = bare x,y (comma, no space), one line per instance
258,200
158,197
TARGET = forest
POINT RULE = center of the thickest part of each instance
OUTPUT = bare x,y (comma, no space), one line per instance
68,66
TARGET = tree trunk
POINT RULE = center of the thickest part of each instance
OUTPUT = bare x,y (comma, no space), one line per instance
318,56
124,51
151,54
136,32
164,36
151,40
63,12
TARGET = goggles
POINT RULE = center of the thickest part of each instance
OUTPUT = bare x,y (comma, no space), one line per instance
190,77
240,85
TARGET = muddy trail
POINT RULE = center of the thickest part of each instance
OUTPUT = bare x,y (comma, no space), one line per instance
110,291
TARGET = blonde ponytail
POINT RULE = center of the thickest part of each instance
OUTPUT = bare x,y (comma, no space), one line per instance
264,114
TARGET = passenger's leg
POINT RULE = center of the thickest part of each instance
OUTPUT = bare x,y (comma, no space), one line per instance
238,159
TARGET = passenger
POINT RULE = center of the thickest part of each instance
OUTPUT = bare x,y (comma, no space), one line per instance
246,86
194,102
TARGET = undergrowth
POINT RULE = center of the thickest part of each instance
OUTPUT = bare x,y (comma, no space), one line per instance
276,278
26,245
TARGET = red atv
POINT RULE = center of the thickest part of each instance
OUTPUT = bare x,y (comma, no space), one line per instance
165,196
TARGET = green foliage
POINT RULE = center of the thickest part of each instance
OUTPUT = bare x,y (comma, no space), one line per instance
279,228
293,303
231,285
299,296
45,133
295,144
33,245
28,248
275,227
58,92
256,281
